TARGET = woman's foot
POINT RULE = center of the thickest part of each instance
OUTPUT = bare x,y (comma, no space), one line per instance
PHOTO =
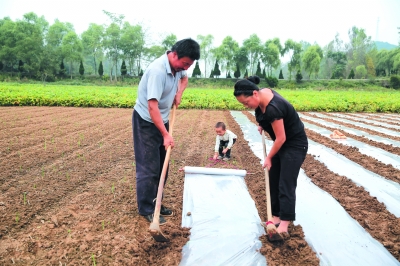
276,220
283,227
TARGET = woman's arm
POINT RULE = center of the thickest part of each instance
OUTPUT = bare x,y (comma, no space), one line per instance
279,130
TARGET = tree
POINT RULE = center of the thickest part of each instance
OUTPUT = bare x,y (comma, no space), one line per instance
132,44
62,69
123,68
92,41
396,59
258,71
236,74
1,65
71,49
253,48
328,64
112,40
226,53
293,49
81,69
169,41
271,55
212,74
196,71
20,66
264,75
312,59
340,60
54,38
229,75
241,58
216,71
351,75
101,71
386,60
280,74
154,52
358,47
299,77
370,66
246,75
361,72
205,43
7,44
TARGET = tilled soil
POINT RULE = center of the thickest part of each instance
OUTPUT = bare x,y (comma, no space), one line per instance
68,193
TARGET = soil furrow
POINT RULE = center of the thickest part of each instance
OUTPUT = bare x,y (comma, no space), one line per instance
371,214
352,153
383,146
372,132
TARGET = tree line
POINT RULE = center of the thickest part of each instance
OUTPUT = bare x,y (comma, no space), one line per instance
32,47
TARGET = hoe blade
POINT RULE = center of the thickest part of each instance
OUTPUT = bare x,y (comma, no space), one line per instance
158,235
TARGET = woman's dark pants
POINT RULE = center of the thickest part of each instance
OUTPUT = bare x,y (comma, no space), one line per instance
283,181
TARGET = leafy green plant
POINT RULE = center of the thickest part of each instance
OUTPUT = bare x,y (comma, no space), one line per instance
94,260
24,196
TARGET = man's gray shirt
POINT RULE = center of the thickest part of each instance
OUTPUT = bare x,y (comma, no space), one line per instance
158,83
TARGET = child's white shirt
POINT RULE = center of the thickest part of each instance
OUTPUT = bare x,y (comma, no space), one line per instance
229,135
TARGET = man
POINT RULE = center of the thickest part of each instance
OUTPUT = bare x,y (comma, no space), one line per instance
161,86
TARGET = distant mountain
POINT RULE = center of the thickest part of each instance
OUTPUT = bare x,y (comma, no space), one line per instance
384,45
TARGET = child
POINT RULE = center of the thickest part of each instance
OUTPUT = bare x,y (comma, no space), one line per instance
223,143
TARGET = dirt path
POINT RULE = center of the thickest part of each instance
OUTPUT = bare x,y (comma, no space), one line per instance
68,189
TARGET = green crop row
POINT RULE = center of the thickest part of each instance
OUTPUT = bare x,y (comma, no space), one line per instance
16,94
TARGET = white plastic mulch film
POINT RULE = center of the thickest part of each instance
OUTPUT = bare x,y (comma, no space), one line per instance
332,233
224,222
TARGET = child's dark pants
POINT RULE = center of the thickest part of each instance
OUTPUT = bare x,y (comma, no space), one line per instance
222,146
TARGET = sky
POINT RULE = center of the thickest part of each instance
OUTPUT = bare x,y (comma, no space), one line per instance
308,20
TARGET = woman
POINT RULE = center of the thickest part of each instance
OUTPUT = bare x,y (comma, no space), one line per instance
278,117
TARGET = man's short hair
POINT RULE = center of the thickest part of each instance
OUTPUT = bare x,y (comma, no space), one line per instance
187,48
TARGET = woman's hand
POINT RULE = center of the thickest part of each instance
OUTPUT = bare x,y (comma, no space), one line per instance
267,163
260,129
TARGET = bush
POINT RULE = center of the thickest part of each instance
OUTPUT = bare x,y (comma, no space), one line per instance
271,81
395,82
299,76
105,77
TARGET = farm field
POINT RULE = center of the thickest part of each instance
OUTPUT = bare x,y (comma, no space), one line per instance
68,196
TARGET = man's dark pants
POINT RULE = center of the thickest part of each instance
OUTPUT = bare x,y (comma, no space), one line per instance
149,156
283,181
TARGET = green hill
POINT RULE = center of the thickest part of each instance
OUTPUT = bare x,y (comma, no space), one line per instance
384,45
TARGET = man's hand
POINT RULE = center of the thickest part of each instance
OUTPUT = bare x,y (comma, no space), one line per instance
178,99
168,141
